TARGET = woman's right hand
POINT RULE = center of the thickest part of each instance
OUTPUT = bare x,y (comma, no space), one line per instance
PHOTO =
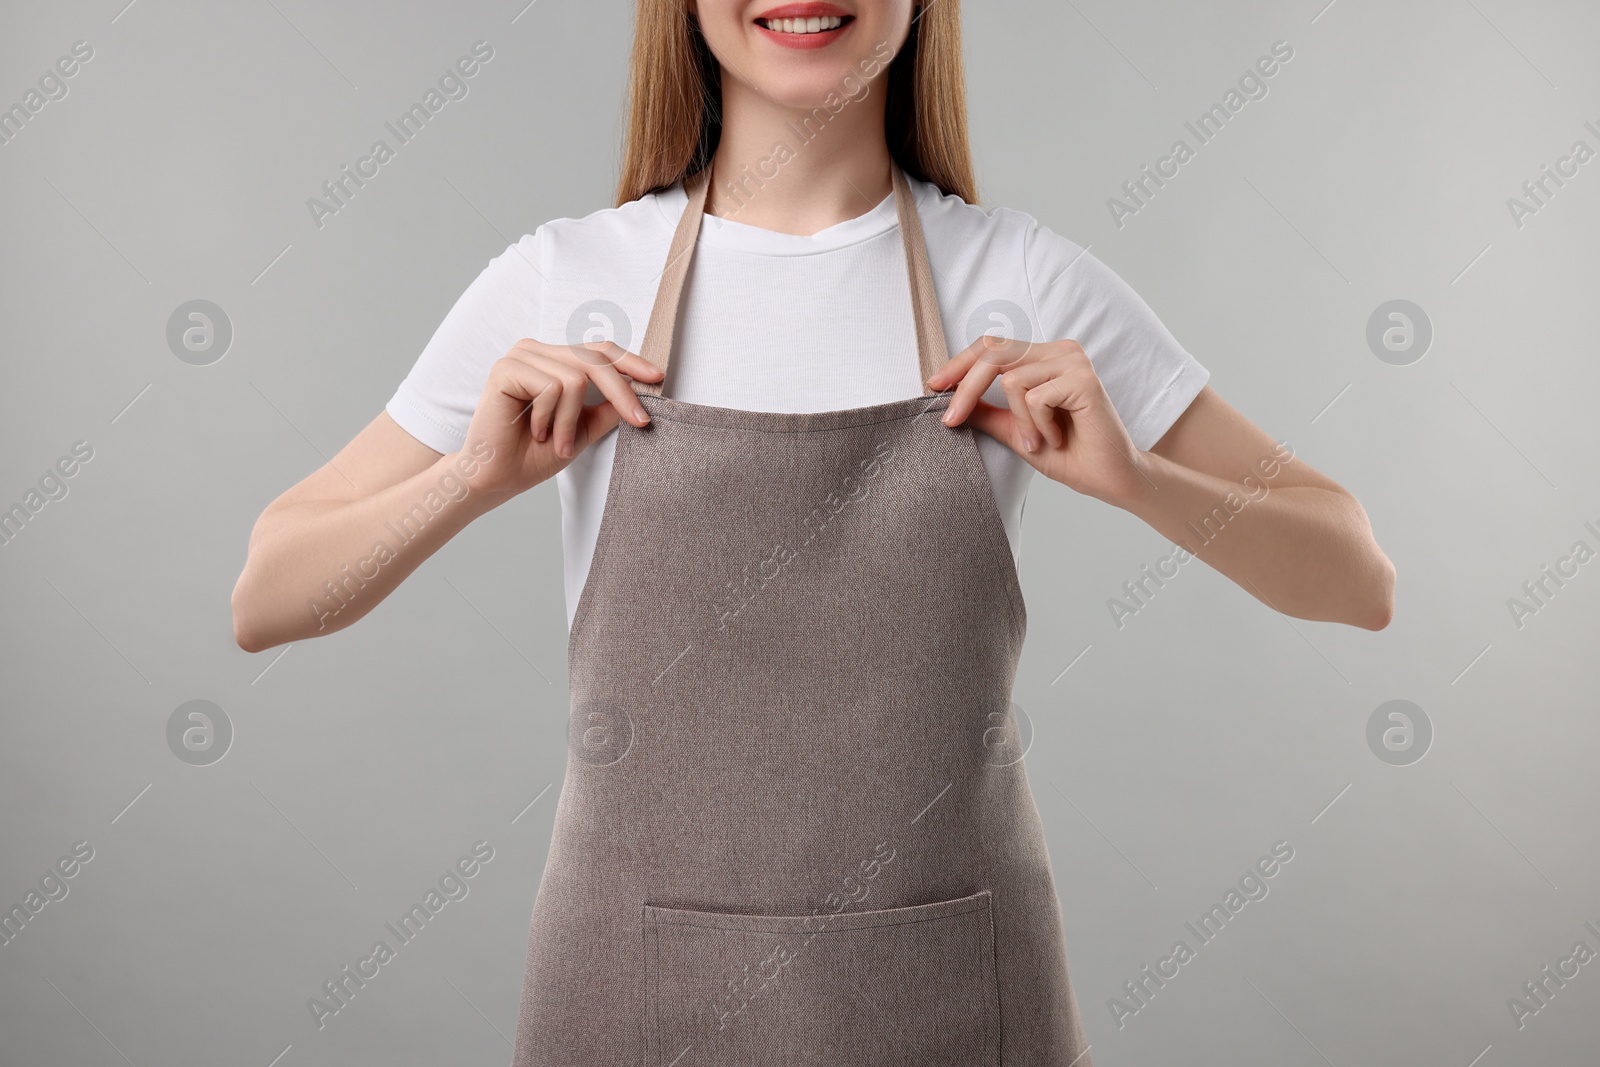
532,416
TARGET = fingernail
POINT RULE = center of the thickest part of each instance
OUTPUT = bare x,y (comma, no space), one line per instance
639,414
1027,443
946,417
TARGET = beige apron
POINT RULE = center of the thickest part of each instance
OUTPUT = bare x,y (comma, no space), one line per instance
794,829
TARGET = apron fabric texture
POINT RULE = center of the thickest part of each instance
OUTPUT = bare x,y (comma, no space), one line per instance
795,828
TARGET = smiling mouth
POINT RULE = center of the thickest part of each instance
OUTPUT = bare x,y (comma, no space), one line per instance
800,27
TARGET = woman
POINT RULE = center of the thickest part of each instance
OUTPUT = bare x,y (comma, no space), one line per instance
784,836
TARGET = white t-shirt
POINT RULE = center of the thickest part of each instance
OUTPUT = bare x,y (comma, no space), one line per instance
783,322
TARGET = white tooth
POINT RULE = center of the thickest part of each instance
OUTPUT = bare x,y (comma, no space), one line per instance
820,24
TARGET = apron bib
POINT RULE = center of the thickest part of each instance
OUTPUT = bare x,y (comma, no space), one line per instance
795,828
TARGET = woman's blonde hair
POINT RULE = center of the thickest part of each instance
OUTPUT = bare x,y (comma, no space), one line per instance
674,96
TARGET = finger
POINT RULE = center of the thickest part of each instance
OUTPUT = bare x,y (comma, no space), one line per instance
567,387
1027,393
998,422
615,356
543,409
982,348
596,421
955,367
608,379
569,405
516,385
987,363
1016,383
970,378
1044,400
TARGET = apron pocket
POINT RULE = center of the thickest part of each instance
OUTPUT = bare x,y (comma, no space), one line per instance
892,987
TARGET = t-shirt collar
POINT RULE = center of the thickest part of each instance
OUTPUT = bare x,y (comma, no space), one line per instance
732,234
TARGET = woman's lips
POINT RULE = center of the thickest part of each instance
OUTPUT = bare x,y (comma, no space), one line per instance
803,33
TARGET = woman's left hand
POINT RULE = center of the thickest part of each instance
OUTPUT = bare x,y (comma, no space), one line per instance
1057,404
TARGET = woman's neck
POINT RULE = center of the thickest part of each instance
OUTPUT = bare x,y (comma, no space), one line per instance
799,170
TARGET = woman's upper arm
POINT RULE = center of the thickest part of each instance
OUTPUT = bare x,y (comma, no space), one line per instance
381,455
1213,437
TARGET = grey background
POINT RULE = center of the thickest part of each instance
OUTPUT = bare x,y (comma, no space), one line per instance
1171,755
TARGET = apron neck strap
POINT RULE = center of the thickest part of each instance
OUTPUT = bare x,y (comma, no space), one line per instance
657,347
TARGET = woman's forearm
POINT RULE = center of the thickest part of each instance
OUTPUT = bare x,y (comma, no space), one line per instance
316,566
1304,551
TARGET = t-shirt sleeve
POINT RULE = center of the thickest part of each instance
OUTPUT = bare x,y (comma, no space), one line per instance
1148,375
435,401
